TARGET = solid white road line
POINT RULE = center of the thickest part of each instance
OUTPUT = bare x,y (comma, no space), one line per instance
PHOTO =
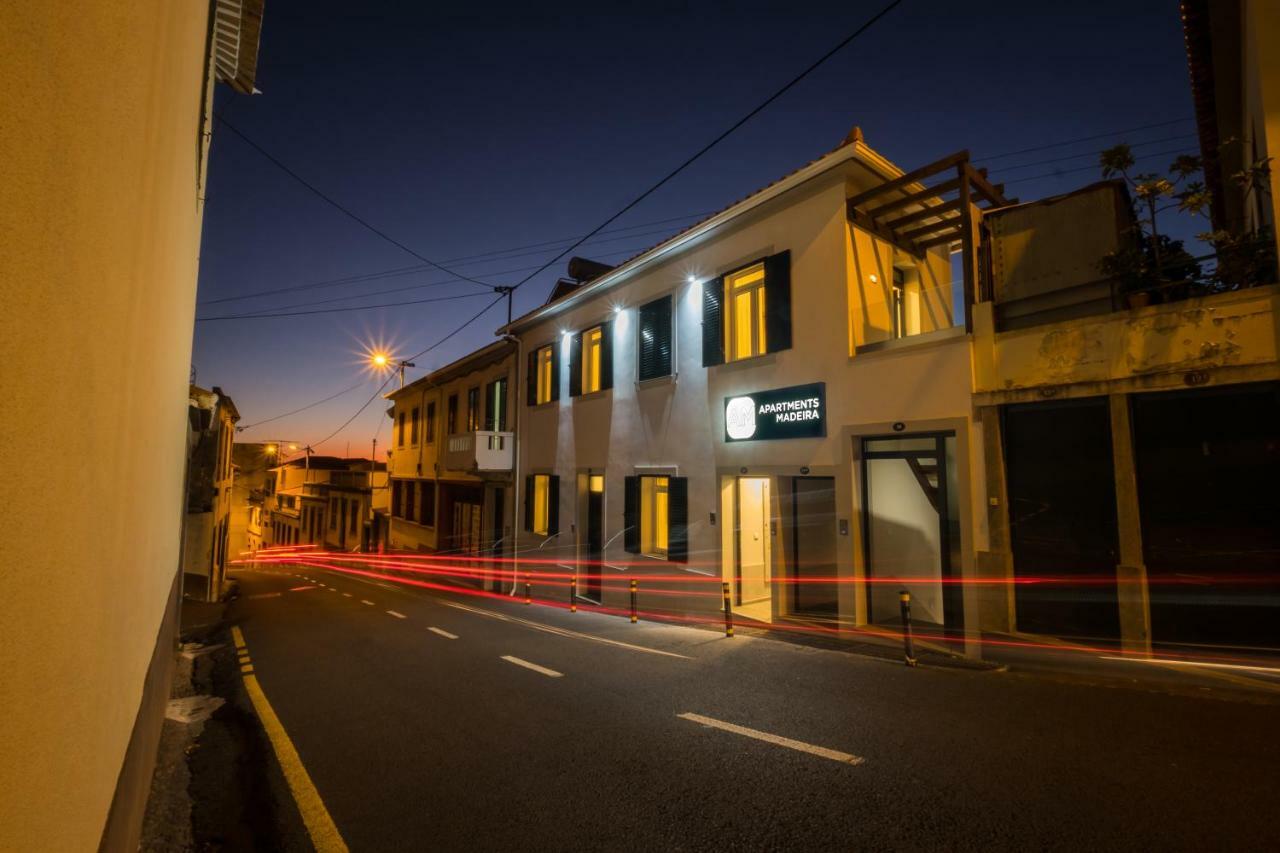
801,746
563,632
397,615
366,601
1168,662
443,633
533,666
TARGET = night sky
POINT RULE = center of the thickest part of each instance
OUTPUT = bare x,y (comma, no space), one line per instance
478,132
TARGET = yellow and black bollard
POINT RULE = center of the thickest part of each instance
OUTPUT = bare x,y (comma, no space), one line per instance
573,593
728,612
634,585
528,590
904,598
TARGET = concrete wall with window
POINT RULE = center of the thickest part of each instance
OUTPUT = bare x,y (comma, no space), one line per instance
104,116
673,426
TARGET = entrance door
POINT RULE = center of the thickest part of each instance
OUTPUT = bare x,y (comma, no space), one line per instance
753,569
591,588
1062,517
813,546
912,529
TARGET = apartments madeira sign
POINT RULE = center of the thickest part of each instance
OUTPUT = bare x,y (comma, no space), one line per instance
796,412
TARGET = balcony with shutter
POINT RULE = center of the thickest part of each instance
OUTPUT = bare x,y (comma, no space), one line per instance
479,451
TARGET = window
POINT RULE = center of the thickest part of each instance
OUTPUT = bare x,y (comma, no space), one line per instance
542,378
400,430
747,312
473,409
654,517
355,516
428,510
744,301
495,416
542,504
410,492
431,422
395,499
654,345
591,347
413,426
451,417
897,304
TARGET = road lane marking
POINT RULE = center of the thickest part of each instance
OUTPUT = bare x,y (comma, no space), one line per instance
533,666
563,632
443,633
397,615
366,601
798,745
346,595
266,595
300,588
320,826
331,589
1169,662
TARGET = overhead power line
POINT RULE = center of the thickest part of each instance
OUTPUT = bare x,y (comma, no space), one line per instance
338,206
714,142
337,310
296,411
1065,142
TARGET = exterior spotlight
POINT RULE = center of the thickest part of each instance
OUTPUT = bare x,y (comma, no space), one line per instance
693,279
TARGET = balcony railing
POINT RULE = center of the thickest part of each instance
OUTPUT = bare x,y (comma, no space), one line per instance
481,450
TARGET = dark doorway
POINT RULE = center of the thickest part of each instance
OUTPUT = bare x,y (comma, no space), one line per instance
1062,517
591,588
813,546
1208,463
496,536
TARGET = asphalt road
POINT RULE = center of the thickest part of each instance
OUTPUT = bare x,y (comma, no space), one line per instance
421,734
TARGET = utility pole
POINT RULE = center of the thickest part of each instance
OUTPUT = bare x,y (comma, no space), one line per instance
403,365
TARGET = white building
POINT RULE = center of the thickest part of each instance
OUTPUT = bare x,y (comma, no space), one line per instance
777,398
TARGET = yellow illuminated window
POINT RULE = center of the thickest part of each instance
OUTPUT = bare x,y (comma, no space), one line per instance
744,301
592,340
597,483
541,503
545,375
654,518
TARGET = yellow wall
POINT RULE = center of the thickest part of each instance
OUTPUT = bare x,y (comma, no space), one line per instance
1229,330
100,163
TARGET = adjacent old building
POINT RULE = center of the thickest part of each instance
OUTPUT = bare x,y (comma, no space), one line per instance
452,457
253,463
211,420
325,501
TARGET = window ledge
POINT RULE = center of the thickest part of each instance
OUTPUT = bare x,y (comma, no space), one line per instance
752,361
656,381
594,395
911,341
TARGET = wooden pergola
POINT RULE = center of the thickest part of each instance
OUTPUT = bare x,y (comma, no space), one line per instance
916,217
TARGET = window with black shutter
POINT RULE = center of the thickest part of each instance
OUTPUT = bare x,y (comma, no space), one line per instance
542,504
777,301
678,519
413,426
543,379
713,322
575,365
451,415
431,422
654,343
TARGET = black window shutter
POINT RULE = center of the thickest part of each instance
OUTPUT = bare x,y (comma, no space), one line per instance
654,344
678,519
531,381
555,369
777,301
606,354
553,505
490,416
631,514
575,365
712,322
528,502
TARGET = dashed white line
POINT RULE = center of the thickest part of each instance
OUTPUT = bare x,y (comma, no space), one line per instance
443,633
346,595
366,601
551,673
397,615
798,745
